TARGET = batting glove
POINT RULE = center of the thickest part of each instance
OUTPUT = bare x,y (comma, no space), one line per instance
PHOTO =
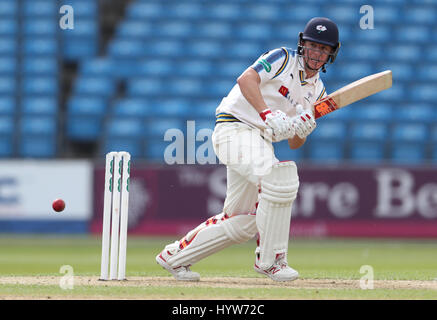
304,122
280,123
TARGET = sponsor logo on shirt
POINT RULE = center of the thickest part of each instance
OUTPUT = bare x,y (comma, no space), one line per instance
266,65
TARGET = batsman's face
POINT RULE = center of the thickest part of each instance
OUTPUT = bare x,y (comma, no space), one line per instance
316,54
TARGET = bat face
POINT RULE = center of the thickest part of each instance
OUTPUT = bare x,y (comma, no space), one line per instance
353,92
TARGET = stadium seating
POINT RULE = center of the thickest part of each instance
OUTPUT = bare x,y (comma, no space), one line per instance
169,62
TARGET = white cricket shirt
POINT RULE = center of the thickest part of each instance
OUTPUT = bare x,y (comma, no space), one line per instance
283,86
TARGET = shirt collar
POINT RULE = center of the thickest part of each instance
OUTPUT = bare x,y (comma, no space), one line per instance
300,64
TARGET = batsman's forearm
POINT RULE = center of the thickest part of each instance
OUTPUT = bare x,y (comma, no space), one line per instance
249,87
296,142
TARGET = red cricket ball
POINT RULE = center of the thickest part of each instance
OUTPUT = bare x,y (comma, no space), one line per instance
58,205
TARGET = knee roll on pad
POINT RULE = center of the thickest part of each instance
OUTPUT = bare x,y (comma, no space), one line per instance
207,239
278,191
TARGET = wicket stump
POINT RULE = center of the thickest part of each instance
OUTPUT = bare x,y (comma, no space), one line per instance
115,216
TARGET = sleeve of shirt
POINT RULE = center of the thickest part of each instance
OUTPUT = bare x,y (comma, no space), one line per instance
271,64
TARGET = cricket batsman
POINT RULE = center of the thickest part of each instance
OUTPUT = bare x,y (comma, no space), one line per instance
272,101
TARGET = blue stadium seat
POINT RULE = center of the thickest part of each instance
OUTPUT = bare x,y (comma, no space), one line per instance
156,67
381,34
403,52
135,29
41,46
415,112
433,135
244,50
38,125
124,128
330,130
80,128
254,31
185,10
133,146
223,11
155,150
125,68
83,8
142,10
8,46
401,70
82,105
425,15
80,48
44,85
7,84
343,14
164,48
409,143
300,13
205,49
354,71
219,89
263,12
173,29
433,139
186,87
144,87
369,131
40,27
367,151
126,48
366,112
6,145
412,34
158,127
204,108
7,105
387,14
364,52
40,105
195,68
8,8
40,8
326,151
408,153
37,147
425,93
395,94
431,53
428,72
282,31
7,125
8,65
84,29
40,65
231,69
410,132
172,108
8,26
208,124
214,30
284,153
97,66
132,107
94,85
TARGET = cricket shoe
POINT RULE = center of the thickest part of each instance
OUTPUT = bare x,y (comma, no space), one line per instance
279,271
182,273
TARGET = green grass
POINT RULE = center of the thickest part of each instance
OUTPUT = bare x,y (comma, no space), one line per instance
313,258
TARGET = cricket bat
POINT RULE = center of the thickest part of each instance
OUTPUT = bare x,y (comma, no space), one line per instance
353,92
